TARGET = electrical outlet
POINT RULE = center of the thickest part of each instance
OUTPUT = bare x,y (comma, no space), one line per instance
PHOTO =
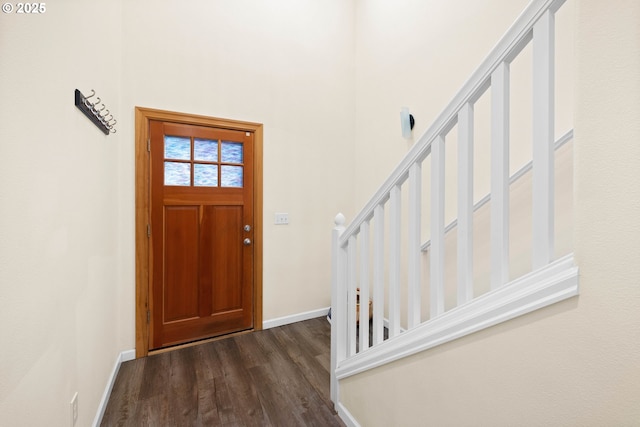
281,219
74,409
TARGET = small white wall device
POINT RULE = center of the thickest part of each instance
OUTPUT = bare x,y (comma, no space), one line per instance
406,122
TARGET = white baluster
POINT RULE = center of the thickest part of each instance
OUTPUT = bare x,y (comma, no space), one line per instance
364,286
437,227
415,255
465,204
378,275
543,140
338,303
500,176
351,296
394,261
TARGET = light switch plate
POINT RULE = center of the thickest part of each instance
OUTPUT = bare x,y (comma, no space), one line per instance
281,219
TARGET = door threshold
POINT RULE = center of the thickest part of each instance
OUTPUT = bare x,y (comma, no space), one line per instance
197,342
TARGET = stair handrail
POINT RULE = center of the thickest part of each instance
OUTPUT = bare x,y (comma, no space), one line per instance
518,35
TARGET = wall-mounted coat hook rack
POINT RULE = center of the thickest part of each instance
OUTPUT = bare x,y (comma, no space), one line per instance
98,115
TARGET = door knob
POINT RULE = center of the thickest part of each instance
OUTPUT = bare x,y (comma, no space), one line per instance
247,228
247,241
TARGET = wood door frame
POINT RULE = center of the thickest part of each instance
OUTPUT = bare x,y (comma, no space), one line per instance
142,220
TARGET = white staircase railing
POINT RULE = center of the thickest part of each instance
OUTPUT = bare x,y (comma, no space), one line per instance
370,256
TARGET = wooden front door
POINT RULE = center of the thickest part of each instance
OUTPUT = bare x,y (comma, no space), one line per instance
201,232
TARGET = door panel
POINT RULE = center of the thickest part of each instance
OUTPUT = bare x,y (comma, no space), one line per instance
181,263
201,198
223,226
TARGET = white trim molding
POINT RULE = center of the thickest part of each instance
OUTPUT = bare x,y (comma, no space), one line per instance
293,318
346,416
124,356
553,283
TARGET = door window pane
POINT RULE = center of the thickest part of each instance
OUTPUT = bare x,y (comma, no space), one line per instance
177,173
205,149
177,147
231,176
232,152
205,175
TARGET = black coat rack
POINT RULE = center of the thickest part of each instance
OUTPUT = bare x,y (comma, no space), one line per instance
101,117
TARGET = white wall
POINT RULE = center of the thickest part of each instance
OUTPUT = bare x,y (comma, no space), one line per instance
287,64
67,269
416,54
576,362
59,204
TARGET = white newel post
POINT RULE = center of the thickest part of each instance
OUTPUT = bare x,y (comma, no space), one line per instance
338,302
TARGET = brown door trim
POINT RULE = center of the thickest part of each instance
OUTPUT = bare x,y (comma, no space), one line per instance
143,116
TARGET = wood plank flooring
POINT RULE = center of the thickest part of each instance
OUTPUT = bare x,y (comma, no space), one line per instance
276,377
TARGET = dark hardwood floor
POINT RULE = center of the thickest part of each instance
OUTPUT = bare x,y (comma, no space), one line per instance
275,377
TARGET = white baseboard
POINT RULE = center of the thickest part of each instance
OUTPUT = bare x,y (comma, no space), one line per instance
272,323
124,356
346,416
